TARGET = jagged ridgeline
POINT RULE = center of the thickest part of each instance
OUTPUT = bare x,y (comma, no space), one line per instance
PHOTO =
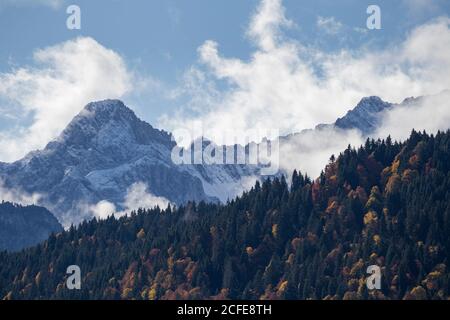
385,204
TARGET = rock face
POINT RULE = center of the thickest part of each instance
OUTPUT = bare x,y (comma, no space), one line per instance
106,149
100,155
22,227
102,152
366,116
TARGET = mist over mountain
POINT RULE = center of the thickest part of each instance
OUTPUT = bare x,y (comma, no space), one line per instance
100,156
365,116
310,149
107,156
373,117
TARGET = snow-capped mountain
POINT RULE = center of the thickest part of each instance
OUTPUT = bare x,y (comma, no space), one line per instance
309,150
106,150
102,153
370,113
366,116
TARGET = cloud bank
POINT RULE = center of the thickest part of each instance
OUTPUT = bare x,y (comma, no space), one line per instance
137,197
431,113
18,196
291,86
311,150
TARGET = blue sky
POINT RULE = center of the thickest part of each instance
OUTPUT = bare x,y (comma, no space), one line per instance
161,37
159,43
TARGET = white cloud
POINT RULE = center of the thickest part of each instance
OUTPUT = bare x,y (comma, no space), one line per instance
265,24
310,150
103,209
65,78
17,196
137,197
329,25
288,86
430,113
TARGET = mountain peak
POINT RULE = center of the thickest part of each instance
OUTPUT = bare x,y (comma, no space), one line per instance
372,104
371,99
108,105
107,109
95,116
106,120
365,115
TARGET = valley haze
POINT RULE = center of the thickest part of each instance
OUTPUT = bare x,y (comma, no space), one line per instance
109,161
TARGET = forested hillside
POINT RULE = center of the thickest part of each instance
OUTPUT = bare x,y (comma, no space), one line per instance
385,204
25,226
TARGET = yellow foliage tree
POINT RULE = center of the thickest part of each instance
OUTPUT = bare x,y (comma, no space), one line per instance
141,234
275,230
126,293
419,293
152,294
370,218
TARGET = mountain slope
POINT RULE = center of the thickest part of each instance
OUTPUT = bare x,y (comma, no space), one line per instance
385,204
22,227
366,116
99,156
106,150
371,112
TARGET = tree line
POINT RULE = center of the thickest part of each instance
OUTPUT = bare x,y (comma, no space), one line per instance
385,203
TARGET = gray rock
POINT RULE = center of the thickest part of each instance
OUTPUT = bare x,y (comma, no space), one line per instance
102,152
